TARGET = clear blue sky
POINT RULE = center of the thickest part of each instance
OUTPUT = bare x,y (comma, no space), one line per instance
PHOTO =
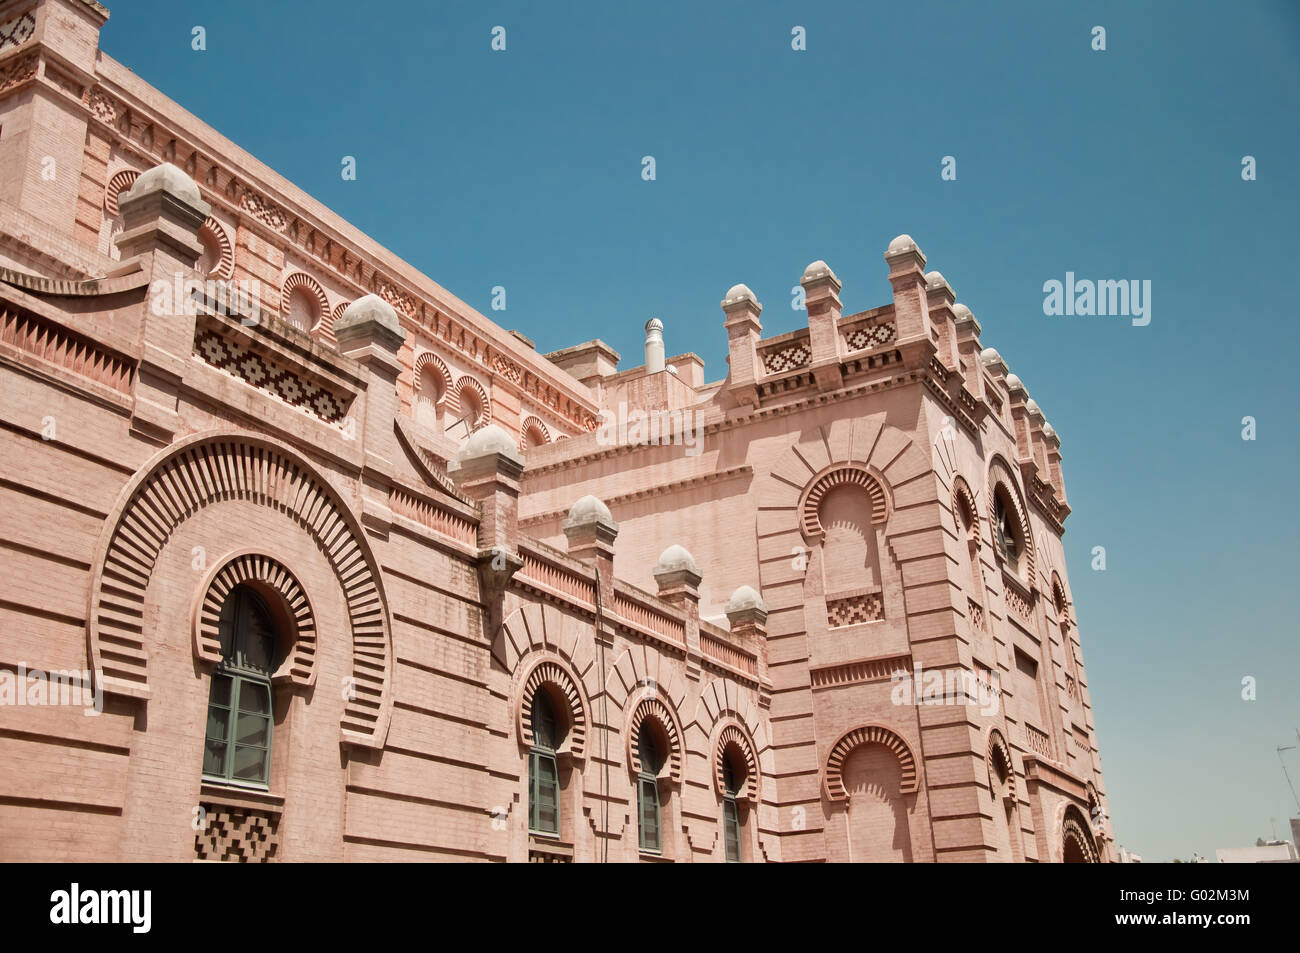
523,169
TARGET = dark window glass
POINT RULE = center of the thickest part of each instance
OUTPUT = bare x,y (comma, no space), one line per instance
731,829
238,737
648,796
731,781
543,770
647,791
1008,544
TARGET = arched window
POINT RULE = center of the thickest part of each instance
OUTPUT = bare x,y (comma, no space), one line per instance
238,743
1006,530
968,530
428,400
733,777
650,753
543,769
303,311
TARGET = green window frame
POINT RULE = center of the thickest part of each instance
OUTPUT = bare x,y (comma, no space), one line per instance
543,769
730,811
731,829
237,742
649,826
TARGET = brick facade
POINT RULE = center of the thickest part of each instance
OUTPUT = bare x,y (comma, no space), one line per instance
213,382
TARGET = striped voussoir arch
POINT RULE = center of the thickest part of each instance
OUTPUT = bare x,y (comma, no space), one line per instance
553,676
868,734
654,709
848,475
734,738
206,470
299,667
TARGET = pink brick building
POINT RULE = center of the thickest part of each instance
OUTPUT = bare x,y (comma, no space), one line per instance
355,574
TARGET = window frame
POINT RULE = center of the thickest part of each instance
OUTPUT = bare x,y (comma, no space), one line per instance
546,736
731,827
235,669
1006,529
652,760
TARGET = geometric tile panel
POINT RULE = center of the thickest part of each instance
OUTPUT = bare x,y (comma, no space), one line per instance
854,610
797,355
237,835
267,375
877,336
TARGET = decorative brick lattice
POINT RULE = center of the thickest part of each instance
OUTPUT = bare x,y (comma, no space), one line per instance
103,106
855,609
1017,604
546,857
19,70
877,336
1038,742
399,299
262,210
238,835
268,375
507,368
17,31
787,359
976,615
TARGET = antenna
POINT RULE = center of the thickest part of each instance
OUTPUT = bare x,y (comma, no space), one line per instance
1280,749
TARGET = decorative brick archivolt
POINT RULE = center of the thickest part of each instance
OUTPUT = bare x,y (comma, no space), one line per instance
467,384
1094,798
734,742
868,734
832,479
1075,832
964,499
725,702
208,470
267,575
338,312
552,675
535,428
654,709
427,359
1000,476
998,755
299,280
1059,600
225,264
117,184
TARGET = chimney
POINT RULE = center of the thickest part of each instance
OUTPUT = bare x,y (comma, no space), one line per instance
654,346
